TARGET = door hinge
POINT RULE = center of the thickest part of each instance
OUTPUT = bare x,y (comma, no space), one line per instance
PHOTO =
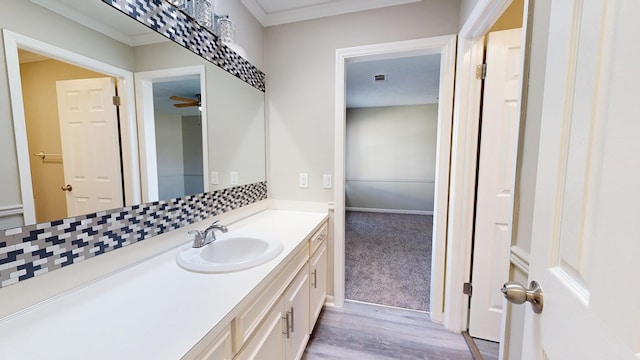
481,71
467,289
116,100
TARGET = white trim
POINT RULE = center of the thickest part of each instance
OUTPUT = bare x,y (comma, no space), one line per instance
520,259
444,45
464,159
422,181
10,210
127,114
146,125
329,301
309,12
389,211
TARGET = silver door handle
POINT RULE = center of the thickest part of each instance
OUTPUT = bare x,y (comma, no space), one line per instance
286,326
314,281
517,294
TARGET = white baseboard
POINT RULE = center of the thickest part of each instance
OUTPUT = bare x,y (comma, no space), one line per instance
329,301
390,211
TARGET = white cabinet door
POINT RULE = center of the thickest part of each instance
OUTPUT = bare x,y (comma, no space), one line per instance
220,348
268,342
318,284
585,235
296,301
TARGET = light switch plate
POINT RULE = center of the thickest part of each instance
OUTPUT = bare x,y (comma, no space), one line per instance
215,179
304,180
326,181
234,178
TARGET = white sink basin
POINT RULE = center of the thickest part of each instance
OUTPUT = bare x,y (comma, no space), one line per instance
230,253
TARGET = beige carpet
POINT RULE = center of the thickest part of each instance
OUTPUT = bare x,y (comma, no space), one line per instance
388,259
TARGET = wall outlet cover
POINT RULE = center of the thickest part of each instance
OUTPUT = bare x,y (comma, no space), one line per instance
304,180
234,178
326,181
215,179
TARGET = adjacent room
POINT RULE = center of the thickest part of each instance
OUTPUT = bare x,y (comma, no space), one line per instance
391,135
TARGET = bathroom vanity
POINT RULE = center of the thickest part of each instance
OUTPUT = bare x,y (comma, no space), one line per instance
154,309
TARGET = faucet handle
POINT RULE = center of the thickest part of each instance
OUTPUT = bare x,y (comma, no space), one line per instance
198,240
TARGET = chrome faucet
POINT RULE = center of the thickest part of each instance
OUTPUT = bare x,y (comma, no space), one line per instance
202,238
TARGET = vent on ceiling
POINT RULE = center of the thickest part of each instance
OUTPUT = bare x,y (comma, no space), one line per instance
380,78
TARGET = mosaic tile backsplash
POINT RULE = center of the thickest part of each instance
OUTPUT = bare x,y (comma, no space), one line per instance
37,249
172,23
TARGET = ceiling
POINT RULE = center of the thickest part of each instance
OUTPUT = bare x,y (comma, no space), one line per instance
276,12
187,87
112,23
409,81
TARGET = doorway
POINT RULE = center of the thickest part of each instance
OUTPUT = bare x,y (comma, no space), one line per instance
172,110
391,128
59,130
123,80
445,47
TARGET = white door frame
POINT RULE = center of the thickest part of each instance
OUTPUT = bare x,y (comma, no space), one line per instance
146,125
445,46
128,132
464,158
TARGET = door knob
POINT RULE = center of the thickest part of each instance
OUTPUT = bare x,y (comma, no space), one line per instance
67,188
517,294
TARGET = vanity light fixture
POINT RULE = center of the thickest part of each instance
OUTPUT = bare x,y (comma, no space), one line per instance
203,13
224,28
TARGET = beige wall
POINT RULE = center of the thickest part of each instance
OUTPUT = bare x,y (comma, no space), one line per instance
300,59
235,112
169,152
511,18
391,157
249,34
466,7
43,131
28,19
192,154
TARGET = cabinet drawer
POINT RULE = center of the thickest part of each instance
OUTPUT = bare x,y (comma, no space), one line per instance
318,237
244,325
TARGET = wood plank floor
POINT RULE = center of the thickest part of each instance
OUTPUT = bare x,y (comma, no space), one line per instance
361,331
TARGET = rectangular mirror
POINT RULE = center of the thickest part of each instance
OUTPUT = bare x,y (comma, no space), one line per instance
215,141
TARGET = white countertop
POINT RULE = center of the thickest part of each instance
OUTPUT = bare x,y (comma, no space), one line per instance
153,310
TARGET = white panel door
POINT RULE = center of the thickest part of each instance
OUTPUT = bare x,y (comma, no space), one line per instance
90,145
586,227
496,173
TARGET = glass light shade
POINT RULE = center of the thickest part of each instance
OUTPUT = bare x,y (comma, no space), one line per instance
203,12
177,3
225,30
